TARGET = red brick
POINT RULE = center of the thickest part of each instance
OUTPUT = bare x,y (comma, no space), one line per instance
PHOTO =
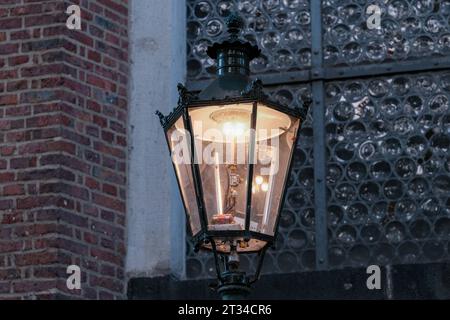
18,136
7,150
108,215
27,9
64,188
22,163
47,146
5,287
115,6
110,189
36,202
101,83
10,23
116,152
94,56
108,202
108,270
20,35
18,60
45,174
38,96
44,19
9,99
6,204
11,124
47,121
6,49
16,86
8,74
63,152
39,45
107,136
41,70
13,190
17,111
65,160
26,286
49,272
13,218
6,177
36,258
106,255
90,238
107,229
9,274
4,11
100,121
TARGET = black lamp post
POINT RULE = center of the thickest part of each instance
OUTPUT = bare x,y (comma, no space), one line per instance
232,148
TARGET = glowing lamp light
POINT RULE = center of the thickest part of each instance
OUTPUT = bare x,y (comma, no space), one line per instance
259,180
234,129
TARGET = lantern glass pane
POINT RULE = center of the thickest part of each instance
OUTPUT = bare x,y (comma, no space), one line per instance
273,153
222,141
179,143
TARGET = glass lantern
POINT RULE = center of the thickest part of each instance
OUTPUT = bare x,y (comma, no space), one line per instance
232,148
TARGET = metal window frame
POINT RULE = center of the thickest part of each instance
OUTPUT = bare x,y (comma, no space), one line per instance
318,75
332,73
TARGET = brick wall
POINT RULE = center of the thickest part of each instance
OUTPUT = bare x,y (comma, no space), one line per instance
63,148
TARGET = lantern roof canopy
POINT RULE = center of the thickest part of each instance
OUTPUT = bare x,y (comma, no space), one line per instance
233,55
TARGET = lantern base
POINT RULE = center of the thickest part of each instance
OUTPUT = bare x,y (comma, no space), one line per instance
234,286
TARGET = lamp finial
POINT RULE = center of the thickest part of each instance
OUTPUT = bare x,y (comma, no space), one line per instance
235,24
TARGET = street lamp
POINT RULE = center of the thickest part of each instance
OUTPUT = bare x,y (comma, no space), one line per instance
231,148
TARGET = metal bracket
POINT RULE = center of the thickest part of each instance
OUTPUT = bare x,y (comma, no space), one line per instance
320,189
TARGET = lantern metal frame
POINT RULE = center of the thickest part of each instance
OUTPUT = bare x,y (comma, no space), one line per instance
232,282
